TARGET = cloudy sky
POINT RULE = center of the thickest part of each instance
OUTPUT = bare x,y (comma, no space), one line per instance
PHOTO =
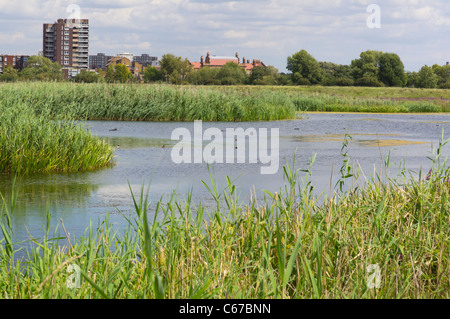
270,30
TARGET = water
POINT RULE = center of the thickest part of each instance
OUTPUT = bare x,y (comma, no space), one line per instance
144,158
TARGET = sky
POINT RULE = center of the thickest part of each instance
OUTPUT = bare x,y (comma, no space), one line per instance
269,30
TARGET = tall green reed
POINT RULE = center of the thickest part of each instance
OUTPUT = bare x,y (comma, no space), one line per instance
288,244
31,143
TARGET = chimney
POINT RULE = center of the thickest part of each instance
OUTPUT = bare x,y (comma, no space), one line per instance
243,60
237,55
248,61
201,60
207,60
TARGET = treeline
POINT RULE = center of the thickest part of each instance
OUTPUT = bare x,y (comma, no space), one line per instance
372,68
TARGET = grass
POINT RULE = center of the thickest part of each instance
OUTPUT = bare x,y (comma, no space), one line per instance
31,144
289,245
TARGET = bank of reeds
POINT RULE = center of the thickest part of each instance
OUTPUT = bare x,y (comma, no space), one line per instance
387,239
357,99
41,143
329,103
188,103
147,102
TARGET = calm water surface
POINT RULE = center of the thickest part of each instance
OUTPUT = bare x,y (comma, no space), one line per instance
144,157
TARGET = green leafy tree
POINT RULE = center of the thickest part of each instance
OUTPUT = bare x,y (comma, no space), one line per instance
368,80
443,73
426,78
343,76
391,70
231,74
88,77
411,79
365,69
152,74
9,75
174,69
261,75
122,74
336,74
328,71
284,79
204,76
305,68
118,74
42,69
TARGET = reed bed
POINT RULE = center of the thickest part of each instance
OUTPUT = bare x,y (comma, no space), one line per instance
147,102
31,144
386,238
160,102
357,99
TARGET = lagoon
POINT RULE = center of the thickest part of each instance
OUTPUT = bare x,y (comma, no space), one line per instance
143,157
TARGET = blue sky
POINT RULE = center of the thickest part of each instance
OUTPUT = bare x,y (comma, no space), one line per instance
270,30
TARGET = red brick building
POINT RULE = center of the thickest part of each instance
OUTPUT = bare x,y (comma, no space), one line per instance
213,61
15,61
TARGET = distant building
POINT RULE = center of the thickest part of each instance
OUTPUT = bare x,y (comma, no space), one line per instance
67,43
448,63
213,61
119,60
129,56
99,61
136,68
15,61
146,60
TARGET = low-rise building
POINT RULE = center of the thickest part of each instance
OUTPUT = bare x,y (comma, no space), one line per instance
213,61
146,60
136,68
15,61
99,61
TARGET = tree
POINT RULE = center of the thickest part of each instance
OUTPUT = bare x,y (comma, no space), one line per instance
367,64
284,79
261,75
152,74
391,70
122,74
204,76
231,74
443,73
426,78
88,77
175,69
118,73
328,70
42,69
336,74
368,80
305,68
411,79
9,75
